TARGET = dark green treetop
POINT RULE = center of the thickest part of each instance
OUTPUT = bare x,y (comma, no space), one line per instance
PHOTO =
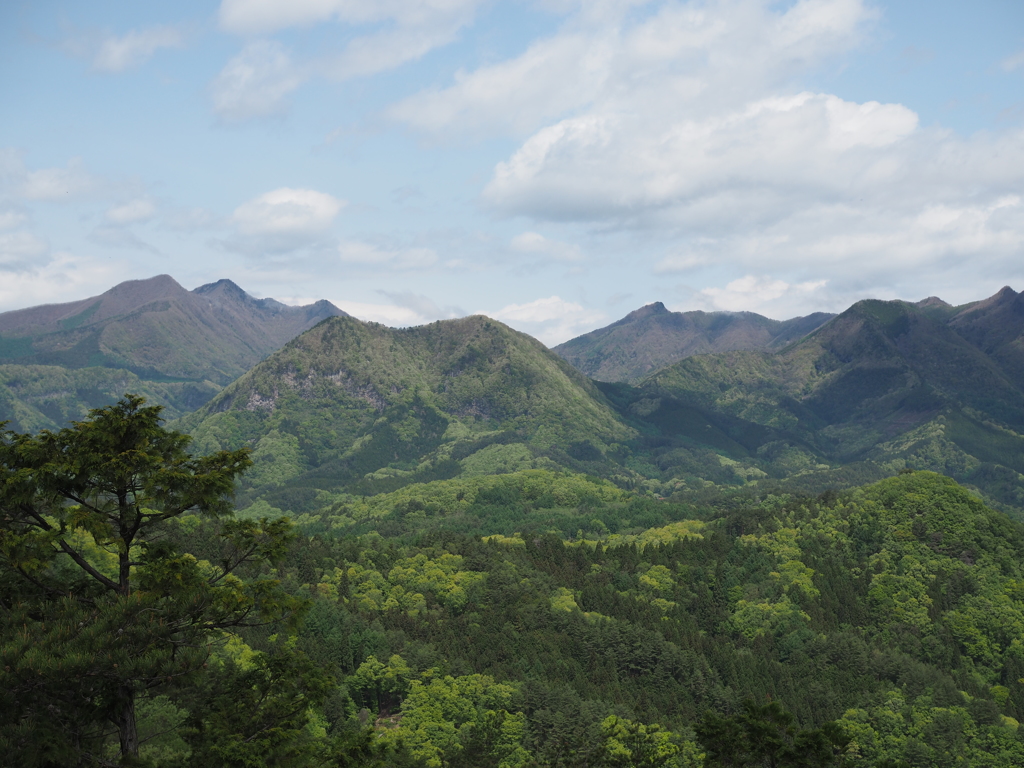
97,608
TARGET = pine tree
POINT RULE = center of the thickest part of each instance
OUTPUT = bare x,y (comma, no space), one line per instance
98,608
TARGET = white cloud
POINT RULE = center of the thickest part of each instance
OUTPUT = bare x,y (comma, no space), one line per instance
11,220
256,82
61,277
368,254
388,34
683,57
532,242
552,319
111,53
117,54
287,211
21,249
406,309
754,293
249,17
140,209
388,314
59,184
595,166
682,124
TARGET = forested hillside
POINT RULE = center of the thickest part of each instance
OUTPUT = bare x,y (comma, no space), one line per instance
445,547
530,619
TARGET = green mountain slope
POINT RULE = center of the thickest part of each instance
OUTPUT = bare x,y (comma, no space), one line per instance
177,347
887,383
652,337
996,327
364,407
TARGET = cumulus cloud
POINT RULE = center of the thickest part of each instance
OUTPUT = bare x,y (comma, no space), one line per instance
685,123
59,277
287,211
406,309
355,252
256,82
680,58
387,314
282,221
11,219
534,243
552,319
140,209
757,292
386,35
59,184
20,250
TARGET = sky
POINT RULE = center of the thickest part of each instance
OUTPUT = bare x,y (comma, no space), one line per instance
549,163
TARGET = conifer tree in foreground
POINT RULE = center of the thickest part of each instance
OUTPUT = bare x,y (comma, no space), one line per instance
97,609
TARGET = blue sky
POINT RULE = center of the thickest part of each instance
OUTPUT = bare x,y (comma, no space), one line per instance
549,163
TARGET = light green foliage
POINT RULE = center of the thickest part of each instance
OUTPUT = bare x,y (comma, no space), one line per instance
441,578
498,460
564,600
628,744
900,730
439,716
900,599
259,509
666,534
449,497
275,459
757,619
372,592
406,584
380,686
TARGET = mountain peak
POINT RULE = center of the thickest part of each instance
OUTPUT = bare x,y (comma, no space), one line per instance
649,310
932,301
223,286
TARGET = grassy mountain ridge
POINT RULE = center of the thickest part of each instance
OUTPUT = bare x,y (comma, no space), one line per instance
350,403
652,337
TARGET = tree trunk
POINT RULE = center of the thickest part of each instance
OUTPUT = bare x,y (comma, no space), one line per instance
127,731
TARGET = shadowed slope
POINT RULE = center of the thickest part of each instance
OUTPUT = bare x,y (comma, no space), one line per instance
652,337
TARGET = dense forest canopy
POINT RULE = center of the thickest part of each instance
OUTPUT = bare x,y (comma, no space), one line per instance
536,617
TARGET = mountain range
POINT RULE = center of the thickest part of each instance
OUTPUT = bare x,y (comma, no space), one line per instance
652,337
178,347
667,402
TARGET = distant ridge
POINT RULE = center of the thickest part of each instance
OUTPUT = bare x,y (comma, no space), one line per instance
154,337
154,326
653,337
